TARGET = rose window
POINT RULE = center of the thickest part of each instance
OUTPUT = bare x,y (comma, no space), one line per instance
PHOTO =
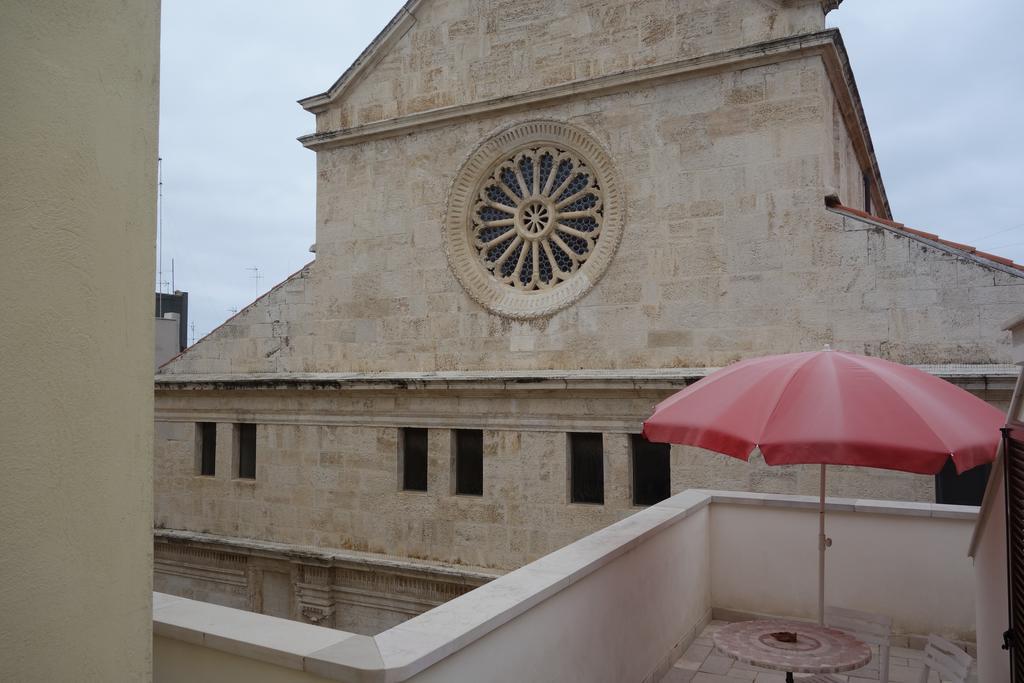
534,216
538,218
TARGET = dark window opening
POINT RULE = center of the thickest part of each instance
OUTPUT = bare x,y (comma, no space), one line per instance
961,489
586,467
867,193
414,459
246,451
651,471
469,462
207,448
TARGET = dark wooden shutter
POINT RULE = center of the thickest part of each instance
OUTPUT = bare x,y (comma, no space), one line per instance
414,459
469,462
586,467
1013,460
651,471
961,489
246,451
208,448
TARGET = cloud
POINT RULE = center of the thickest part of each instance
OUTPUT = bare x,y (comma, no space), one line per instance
940,82
942,90
239,190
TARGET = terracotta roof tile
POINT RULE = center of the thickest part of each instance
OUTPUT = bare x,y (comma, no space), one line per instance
920,233
833,203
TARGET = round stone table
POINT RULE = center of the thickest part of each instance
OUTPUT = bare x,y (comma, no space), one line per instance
817,650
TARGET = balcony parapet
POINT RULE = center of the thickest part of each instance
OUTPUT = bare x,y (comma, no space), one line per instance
620,604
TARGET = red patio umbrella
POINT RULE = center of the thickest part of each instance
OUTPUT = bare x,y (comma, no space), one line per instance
831,408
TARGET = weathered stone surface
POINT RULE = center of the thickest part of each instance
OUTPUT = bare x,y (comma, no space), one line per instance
355,592
727,252
727,246
327,467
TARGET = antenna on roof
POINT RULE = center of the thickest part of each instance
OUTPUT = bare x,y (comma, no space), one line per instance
257,277
160,234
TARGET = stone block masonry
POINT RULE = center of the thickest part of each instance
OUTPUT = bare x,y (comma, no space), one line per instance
725,124
327,462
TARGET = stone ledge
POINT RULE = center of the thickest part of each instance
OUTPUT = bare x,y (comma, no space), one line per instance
640,378
324,556
875,507
281,642
747,56
411,647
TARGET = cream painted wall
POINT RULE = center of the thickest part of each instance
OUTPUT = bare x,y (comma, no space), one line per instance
912,568
77,209
179,662
622,622
619,605
992,590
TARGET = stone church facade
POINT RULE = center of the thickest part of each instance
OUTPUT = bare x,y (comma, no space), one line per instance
535,220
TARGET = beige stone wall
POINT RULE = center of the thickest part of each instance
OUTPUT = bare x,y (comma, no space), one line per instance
847,175
338,487
259,336
327,470
727,250
355,592
77,210
470,50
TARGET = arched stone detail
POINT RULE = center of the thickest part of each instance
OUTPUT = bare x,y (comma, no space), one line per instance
535,215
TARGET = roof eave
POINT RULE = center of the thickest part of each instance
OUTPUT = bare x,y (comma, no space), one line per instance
378,47
956,249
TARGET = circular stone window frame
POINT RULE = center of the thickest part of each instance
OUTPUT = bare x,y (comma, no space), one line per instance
464,258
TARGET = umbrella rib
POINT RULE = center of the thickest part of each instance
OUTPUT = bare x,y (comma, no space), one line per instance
778,398
884,379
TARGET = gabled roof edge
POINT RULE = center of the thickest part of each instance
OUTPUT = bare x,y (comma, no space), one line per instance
857,115
255,301
931,239
378,47
382,42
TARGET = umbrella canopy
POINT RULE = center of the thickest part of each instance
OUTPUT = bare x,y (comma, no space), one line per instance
834,408
831,408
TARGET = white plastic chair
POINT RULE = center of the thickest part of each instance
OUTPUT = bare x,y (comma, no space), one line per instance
873,629
946,659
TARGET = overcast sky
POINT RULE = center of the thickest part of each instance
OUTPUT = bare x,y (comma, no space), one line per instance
941,83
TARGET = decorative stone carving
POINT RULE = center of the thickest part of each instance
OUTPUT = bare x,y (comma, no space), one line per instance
321,615
534,217
313,594
334,589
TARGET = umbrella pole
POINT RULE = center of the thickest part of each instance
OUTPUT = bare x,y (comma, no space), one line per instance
823,542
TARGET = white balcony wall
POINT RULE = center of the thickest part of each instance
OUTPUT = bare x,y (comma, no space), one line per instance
618,605
619,623
906,560
990,582
176,661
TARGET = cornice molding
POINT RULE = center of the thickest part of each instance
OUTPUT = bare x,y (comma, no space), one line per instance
511,380
318,556
827,44
395,29
744,57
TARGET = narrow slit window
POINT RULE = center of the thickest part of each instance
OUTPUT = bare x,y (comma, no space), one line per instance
414,459
586,468
246,451
651,471
469,462
207,448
